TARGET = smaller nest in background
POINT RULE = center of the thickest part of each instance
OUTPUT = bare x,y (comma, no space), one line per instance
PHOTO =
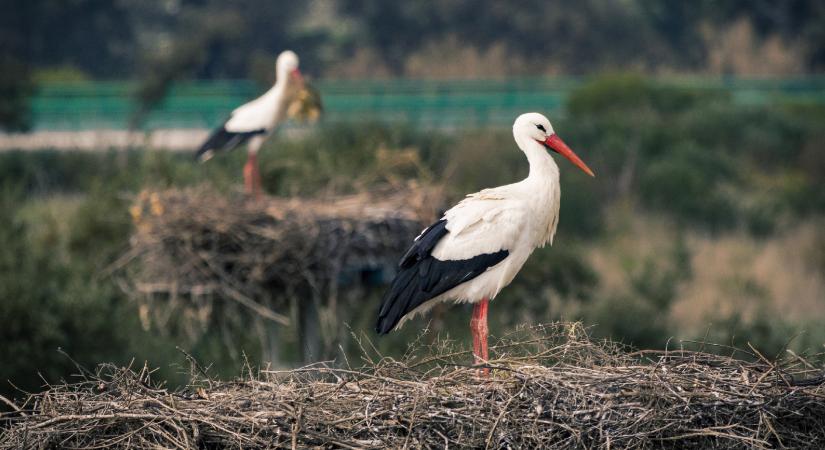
193,246
551,387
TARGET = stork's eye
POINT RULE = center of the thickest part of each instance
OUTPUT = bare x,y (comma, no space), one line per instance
541,127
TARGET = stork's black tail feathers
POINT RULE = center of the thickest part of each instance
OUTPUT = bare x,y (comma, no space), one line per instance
422,277
223,140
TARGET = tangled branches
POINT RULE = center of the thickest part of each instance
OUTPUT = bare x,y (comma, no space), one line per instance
204,257
552,387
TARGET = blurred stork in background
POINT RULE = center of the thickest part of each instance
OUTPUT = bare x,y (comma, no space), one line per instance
480,244
254,121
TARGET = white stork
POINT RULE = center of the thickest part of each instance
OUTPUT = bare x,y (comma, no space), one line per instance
480,244
254,121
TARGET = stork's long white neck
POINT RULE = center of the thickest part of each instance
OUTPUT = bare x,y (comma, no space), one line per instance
276,98
542,166
542,189
278,90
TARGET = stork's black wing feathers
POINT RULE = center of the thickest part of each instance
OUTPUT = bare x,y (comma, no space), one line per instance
424,243
223,140
422,277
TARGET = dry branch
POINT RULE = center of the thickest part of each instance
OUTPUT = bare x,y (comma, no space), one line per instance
552,387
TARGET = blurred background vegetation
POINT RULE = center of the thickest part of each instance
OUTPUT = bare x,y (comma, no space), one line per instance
705,220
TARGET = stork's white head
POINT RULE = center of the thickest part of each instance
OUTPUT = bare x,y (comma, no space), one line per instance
533,126
287,66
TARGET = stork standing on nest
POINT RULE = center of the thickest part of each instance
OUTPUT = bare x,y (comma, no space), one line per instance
479,245
253,122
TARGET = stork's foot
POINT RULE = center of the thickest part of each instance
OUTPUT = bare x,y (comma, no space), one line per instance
478,328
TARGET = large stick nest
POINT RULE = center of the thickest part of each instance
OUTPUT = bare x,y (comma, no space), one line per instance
551,387
192,247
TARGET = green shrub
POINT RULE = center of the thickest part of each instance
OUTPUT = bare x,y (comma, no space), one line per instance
630,320
619,94
766,332
688,185
49,305
55,297
582,206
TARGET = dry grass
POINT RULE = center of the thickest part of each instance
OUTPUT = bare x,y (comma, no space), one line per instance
451,58
737,48
551,387
730,274
738,274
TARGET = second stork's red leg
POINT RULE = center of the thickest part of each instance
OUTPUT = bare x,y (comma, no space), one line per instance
251,176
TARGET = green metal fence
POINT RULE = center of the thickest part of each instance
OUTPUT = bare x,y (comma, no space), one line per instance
110,105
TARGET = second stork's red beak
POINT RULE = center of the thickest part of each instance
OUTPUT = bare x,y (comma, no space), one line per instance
555,143
297,75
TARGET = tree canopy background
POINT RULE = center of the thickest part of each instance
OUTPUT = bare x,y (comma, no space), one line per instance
220,39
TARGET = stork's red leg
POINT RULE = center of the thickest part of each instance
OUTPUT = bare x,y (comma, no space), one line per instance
248,172
485,303
474,332
256,182
251,176
478,326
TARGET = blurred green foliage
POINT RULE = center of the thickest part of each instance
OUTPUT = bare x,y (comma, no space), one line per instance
16,87
51,296
59,306
641,316
694,155
690,157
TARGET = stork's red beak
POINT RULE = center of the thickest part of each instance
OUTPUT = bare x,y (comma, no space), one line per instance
556,144
297,75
